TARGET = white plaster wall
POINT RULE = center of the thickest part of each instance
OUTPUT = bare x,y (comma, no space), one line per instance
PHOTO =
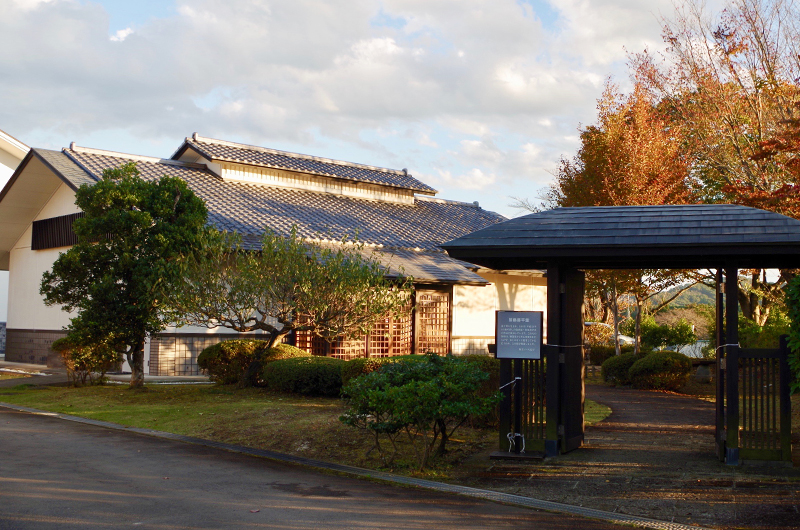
474,306
26,306
8,164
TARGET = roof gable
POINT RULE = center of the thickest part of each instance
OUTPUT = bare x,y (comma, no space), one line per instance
222,151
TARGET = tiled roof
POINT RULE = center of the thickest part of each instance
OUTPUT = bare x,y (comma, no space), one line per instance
63,165
676,236
422,265
248,208
219,150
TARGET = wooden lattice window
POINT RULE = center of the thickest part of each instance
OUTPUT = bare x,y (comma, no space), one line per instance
432,313
391,336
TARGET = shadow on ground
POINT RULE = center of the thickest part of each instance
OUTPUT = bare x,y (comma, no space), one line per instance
653,457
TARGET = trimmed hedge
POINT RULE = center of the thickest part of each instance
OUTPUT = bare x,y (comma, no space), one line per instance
662,370
361,366
615,369
310,376
598,354
240,361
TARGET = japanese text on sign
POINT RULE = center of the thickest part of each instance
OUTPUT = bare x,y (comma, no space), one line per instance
519,334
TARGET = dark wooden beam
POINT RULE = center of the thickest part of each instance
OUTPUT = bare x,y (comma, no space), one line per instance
732,364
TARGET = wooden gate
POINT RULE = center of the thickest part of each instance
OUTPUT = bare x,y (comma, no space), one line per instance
528,396
753,385
549,393
753,412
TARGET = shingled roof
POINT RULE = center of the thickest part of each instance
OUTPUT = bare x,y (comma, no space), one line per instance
675,236
223,151
409,234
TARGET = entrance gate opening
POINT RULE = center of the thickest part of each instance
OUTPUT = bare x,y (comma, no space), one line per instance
753,406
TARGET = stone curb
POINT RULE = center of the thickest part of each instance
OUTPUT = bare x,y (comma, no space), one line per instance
494,496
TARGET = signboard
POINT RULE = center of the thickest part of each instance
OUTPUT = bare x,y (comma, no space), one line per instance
518,334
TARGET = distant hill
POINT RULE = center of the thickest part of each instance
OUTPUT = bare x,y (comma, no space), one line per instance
696,295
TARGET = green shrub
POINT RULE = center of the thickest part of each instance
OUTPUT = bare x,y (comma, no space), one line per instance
615,369
427,399
491,366
661,370
362,366
600,352
86,363
309,376
240,361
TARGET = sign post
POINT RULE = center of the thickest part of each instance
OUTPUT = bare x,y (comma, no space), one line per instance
518,336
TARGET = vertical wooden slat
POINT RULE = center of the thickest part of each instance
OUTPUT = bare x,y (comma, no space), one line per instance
785,401
774,387
504,407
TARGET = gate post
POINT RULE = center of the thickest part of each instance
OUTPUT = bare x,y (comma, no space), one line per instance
719,431
565,391
555,296
732,365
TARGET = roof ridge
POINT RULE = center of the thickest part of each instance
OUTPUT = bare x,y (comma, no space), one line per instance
139,158
202,139
13,141
473,204
70,154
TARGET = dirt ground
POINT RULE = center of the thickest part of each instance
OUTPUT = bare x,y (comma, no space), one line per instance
653,457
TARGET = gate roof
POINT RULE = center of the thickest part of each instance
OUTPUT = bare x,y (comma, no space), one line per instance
639,237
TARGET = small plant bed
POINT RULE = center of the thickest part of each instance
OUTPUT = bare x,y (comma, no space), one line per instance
287,423
12,375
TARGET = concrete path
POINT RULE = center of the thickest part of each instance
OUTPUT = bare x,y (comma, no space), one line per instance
61,474
43,376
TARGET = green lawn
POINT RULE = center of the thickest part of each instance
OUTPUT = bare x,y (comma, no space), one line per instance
253,417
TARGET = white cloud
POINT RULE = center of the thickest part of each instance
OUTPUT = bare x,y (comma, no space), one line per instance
121,35
480,90
474,179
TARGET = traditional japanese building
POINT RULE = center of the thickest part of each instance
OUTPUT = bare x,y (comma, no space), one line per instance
247,189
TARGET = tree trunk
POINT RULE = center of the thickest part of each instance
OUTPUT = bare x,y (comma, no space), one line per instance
275,337
136,362
638,330
443,440
615,316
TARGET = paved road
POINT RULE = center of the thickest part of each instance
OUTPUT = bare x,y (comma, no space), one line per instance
60,474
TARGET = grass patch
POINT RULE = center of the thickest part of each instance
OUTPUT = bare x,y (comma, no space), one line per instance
286,423
594,412
11,375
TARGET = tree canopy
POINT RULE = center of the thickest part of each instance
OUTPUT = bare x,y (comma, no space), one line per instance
132,247
288,284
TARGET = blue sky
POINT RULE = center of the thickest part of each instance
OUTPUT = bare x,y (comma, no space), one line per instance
479,99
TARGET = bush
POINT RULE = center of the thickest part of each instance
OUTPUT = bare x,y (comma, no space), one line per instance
309,376
491,366
661,370
240,361
599,353
86,363
362,366
427,399
615,369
